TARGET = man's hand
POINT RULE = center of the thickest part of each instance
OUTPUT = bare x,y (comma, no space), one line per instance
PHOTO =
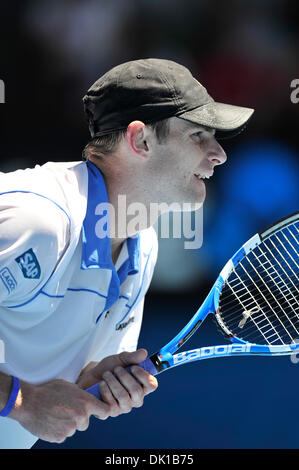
55,410
119,388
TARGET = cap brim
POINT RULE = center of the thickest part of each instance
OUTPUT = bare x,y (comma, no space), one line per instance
227,119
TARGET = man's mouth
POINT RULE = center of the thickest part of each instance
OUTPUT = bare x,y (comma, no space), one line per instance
203,176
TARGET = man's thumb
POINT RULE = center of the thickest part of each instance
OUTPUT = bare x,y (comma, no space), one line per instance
130,358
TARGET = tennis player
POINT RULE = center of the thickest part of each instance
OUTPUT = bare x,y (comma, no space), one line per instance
74,270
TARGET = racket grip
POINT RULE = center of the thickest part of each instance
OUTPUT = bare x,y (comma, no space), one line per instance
146,365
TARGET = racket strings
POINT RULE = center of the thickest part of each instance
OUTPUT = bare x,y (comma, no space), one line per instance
257,306
289,296
285,297
266,305
259,302
280,297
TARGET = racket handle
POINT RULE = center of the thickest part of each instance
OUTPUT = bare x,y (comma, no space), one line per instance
146,365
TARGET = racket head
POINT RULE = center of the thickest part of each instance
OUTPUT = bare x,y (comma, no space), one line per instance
256,294
247,339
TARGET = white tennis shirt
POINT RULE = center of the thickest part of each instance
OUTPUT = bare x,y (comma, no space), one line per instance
63,303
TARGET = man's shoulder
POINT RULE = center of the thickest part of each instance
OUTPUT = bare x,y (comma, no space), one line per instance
41,178
54,186
35,234
29,219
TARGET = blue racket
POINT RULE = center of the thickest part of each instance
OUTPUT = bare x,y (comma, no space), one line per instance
254,301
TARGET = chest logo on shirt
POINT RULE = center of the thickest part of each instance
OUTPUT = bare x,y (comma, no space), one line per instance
8,280
121,326
29,265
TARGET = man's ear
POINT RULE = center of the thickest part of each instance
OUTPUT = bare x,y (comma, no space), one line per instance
136,137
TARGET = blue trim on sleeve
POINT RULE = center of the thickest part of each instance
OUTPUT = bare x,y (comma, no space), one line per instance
87,290
52,296
40,195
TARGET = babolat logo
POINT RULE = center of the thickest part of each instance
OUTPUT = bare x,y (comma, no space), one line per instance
121,326
29,265
210,351
8,280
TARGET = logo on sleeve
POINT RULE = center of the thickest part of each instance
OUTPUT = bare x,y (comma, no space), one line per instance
8,280
29,265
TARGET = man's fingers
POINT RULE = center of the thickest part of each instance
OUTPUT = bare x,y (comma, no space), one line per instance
83,425
106,395
118,391
148,381
98,408
129,358
126,387
134,389
124,359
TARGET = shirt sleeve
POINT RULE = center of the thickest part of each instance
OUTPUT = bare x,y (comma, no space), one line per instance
34,234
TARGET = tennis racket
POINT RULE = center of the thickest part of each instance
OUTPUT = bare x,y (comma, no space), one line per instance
254,301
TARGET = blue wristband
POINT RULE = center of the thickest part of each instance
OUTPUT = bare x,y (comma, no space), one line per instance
12,397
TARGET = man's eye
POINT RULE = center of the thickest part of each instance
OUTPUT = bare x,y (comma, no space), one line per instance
198,134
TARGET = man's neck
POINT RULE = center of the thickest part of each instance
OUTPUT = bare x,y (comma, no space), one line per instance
116,247
126,199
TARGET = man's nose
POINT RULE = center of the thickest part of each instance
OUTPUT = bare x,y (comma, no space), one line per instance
216,154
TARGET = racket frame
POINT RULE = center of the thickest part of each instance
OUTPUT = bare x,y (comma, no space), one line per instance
165,357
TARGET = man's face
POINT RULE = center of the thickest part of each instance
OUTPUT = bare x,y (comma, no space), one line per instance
188,155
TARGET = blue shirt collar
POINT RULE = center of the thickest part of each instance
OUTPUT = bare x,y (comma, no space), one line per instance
133,246
96,252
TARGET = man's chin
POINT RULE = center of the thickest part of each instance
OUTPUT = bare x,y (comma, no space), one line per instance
192,206
188,207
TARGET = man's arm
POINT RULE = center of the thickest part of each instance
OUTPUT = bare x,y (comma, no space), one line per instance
54,410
